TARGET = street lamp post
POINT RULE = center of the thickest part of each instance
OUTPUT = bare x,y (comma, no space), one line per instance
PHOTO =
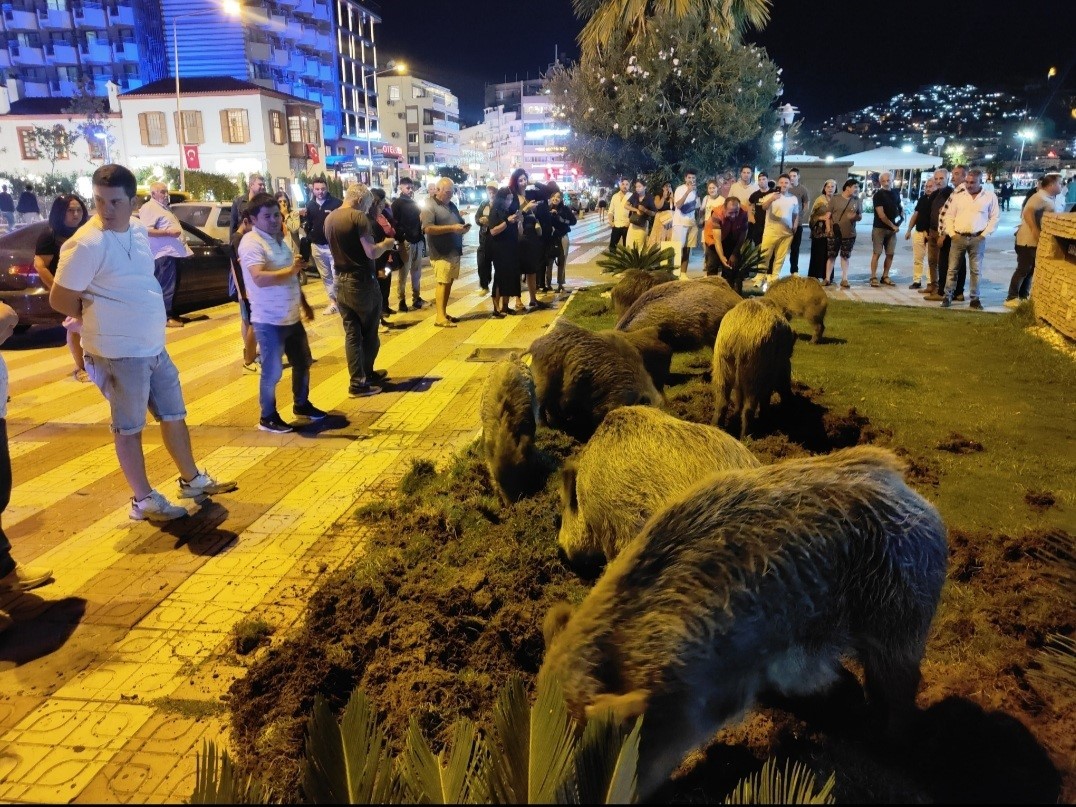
1024,135
232,9
787,114
392,67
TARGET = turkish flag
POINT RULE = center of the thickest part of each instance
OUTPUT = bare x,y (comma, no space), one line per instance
191,155
312,153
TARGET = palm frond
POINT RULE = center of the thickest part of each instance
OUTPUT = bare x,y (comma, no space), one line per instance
531,752
216,781
426,779
1058,660
606,764
795,785
347,762
649,257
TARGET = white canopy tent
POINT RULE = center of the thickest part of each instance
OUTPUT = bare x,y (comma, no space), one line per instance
888,158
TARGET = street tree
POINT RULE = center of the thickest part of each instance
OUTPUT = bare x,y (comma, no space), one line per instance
53,142
88,116
676,97
609,22
453,172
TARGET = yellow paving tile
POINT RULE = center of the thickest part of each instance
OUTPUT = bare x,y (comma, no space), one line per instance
17,448
116,680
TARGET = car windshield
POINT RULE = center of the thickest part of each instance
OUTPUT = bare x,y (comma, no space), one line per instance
23,238
197,215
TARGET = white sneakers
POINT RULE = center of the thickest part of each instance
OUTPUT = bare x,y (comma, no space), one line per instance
205,485
156,507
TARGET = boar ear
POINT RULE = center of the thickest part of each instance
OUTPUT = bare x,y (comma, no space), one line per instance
555,620
624,707
568,497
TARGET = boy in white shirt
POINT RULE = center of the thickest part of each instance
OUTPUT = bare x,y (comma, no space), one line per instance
685,230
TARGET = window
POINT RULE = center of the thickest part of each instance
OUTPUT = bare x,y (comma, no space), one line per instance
152,129
418,92
304,129
192,126
96,148
276,126
412,137
234,126
412,114
394,92
427,117
430,159
26,143
427,137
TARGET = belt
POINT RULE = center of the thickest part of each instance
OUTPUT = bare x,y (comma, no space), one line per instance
971,235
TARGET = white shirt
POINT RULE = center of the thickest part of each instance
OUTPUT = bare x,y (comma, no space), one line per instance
618,209
156,216
710,204
743,192
276,304
969,214
782,213
122,303
690,200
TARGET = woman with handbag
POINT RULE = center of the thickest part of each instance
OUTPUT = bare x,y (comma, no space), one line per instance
817,222
663,216
844,211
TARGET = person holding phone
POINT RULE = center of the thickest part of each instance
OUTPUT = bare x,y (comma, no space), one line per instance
444,229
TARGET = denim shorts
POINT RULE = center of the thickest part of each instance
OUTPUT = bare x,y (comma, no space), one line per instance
131,385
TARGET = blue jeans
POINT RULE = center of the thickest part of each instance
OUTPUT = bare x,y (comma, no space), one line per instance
359,301
275,342
974,246
410,265
9,217
323,260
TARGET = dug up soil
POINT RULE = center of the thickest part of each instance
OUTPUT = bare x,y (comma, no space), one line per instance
448,602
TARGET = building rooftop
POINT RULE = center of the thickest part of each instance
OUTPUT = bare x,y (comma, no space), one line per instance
41,106
210,85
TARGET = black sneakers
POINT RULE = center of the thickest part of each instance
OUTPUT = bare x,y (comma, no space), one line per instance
308,410
274,424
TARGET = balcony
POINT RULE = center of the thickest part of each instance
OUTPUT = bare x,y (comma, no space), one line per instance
288,3
61,54
325,72
324,42
259,51
5,57
312,69
304,7
123,15
35,89
308,36
126,52
22,56
64,88
96,53
52,19
90,18
281,57
19,20
100,85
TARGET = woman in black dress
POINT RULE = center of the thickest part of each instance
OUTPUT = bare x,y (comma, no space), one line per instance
67,215
505,224
531,245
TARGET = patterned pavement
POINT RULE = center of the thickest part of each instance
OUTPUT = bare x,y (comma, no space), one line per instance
115,674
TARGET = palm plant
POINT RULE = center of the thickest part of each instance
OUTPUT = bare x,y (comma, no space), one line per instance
725,17
534,755
771,785
621,258
748,261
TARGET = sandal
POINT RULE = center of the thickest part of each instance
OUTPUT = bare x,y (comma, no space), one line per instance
887,282
844,284
874,283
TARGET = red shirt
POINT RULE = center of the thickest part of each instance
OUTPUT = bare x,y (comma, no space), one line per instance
730,225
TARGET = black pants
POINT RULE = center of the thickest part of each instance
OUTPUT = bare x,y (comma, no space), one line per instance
618,235
943,264
794,250
817,267
1020,285
7,563
385,284
485,263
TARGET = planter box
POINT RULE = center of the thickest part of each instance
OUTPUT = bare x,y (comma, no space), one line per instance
1055,273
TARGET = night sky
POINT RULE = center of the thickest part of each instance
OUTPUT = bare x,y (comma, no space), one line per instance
837,55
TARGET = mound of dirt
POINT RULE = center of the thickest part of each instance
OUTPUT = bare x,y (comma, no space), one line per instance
956,443
1040,499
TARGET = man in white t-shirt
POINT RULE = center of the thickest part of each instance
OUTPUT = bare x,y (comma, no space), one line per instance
271,276
744,187
685,230
782,218
166,242
105,277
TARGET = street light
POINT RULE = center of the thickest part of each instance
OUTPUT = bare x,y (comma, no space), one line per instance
786,113
939,142
233,9
392,67
1024,135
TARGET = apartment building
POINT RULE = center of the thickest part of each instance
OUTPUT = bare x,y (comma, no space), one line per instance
545,138
420,118
493,148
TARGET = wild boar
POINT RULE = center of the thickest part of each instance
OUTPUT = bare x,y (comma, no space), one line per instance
801,297
509,421
631,285
687,314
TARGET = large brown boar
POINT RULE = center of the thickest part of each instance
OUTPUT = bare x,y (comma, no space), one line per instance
752,360
631,285
509,420
687,314
801,297
756,580
581,376
638,459
657,356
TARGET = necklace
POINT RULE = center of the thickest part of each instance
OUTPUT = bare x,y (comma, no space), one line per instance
130,242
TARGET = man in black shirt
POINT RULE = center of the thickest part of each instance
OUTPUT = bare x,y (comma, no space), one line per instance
939,242
756,212
255,185
317,210
406,214
888,215
920,223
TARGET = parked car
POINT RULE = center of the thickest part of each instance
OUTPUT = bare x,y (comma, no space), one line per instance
202,280
212,218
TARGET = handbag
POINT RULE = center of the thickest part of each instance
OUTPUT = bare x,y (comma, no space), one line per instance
837,227
818,229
